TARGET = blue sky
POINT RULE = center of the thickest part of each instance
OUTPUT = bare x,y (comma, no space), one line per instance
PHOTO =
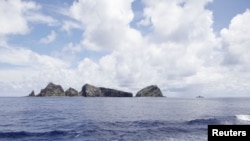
225,10
185,47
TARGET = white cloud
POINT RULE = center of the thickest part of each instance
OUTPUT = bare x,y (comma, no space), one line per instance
12,19
178,22
236,40
181,54
25,57
235,65
49,38
69,25
15,16
37,17
69,53
27,70
178,48
106,23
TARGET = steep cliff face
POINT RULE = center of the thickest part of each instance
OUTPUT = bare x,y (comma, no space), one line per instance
93,91
150,91
52,90
115,93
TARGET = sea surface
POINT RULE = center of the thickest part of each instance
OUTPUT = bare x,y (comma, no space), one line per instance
117,119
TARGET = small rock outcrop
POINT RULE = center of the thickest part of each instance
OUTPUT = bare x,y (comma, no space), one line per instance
93,91
32,94
199,96
150,91
52,90
71,92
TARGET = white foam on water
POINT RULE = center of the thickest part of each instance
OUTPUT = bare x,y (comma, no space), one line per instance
243,117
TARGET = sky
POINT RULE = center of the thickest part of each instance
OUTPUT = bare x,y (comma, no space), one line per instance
185,47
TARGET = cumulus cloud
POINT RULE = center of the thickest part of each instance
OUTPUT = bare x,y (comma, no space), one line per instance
236,40
106,24
49,38
177,20
12,19
15,16
235,62
18,64
134,61
24,57
181,54
26,69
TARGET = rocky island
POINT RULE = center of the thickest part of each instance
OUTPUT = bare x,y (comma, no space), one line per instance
150,91
89,90
52,90
71,92
199,96
92,91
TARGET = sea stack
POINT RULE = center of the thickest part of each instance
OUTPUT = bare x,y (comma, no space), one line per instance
149,91
52,90
32,94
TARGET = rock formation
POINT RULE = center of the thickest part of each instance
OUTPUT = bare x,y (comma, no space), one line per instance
32,94
150,91
92,91
71,92
52,90
199,96
115,93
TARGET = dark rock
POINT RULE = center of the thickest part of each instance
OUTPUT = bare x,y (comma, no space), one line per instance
150,91
115,93
71,92
87,91
32,93
199,96
93,91
52,90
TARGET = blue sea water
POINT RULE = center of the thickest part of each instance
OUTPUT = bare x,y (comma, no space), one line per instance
116,119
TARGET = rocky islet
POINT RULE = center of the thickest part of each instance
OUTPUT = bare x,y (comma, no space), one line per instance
150,91
71,92
52,90
89,90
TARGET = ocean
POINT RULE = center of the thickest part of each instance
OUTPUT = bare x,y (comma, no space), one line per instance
117,119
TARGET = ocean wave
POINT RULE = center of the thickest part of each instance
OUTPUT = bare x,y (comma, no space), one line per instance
125,130
243,117
204,121
226,120
24,134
